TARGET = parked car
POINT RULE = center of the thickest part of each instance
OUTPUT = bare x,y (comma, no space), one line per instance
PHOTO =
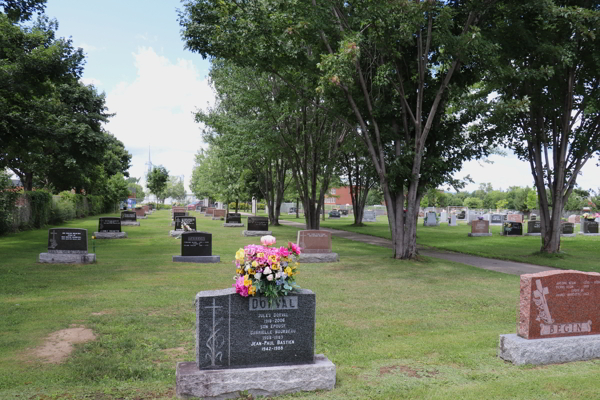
344,212
292,210
334,214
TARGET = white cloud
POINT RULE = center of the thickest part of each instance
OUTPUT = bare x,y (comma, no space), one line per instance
510,171
89,48
157,110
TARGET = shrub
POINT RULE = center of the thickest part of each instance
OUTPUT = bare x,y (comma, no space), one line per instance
40,203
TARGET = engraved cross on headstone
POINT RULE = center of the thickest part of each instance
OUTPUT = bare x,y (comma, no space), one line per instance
540,294
212,342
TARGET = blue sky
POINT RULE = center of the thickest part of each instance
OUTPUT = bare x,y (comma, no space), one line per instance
136,56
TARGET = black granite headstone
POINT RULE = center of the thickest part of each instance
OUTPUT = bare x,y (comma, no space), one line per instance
198,207
534,227
189,221
67,241
233,218
512,228
128,216
203,209
196,244
179,214
568,228
258,223
109,224
590,226
239,332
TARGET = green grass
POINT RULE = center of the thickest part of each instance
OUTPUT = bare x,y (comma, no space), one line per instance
580,252
395,329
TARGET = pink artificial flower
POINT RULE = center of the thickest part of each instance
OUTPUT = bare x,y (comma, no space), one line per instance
283,252
240,288
267,240
295,248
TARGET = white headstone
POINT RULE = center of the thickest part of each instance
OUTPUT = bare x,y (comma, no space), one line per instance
453,220
430,219
253,205
444,217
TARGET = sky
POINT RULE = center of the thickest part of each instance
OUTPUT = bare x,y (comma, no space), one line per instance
135,55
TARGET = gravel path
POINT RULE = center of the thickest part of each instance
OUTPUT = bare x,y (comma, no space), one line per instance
507,267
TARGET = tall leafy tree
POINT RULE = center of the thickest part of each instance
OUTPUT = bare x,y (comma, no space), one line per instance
21,10
394,67
547,79
156,181
175,189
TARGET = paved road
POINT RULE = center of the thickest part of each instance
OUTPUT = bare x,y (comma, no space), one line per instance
507,267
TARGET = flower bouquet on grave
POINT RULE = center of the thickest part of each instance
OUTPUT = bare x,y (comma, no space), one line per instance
266,271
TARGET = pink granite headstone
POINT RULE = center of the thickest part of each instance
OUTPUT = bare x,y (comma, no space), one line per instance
574,219
480,226
559,303
140,212
219,213
515,218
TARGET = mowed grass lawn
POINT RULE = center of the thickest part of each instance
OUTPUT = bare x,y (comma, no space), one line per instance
581,252
395,329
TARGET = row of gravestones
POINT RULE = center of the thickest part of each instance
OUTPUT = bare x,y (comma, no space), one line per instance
534,228
70,245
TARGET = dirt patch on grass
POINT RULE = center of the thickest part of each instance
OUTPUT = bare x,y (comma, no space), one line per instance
58,345
103,312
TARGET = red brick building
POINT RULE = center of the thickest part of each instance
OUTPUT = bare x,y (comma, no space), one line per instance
339,196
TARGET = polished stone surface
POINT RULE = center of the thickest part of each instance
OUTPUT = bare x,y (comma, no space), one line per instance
558,304
314,241
233,331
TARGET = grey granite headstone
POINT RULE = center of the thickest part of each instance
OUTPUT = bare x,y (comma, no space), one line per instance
496,219
369,216
430,219
453,220
316,247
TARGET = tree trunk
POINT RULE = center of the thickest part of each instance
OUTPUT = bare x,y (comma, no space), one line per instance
297,205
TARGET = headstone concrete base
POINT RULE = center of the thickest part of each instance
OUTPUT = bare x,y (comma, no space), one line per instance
589,234
197,259
256,233
479,234
208,215
310,258
144,217
533,234
216,218
233,225
262,381
110,235
521,351
178,233
60,258
130,223
567,235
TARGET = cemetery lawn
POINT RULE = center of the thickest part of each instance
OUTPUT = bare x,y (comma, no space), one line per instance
423,329
581,252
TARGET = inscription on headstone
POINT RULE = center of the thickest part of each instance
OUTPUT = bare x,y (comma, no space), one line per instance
233,218
189,221
512,228
559,303
589,226
497,219
67,241
258,223
196,244
239,332
109,224
515,217
313,241
480,226
128,216
568,228
369,216
534,227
